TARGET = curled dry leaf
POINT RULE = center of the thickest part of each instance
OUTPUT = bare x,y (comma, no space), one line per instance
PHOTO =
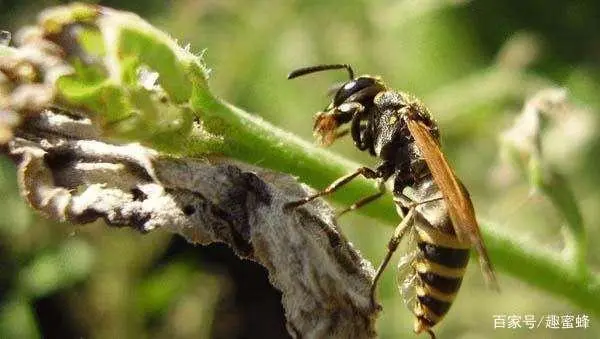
68,175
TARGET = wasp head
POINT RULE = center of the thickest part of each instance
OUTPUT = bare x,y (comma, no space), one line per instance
352,101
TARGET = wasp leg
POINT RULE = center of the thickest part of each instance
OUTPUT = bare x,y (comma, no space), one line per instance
364,171
366,200
399,233
406,203
342,133
415,204
431,334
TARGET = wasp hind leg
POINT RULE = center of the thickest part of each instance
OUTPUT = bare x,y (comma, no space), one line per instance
431,334
334,186
392,246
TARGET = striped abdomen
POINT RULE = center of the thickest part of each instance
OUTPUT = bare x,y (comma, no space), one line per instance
438,267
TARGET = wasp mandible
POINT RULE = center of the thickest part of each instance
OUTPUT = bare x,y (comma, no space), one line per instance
436,210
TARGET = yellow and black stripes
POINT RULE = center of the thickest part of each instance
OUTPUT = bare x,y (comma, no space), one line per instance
445,285
439,269
444,256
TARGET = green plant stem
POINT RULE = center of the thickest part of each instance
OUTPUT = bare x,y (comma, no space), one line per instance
251,139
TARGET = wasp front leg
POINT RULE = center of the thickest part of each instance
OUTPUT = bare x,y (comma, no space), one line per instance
334,186
383,171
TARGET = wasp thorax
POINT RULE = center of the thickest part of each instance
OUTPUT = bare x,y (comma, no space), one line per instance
390,100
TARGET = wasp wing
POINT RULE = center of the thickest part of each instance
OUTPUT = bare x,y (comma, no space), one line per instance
406,277
457,198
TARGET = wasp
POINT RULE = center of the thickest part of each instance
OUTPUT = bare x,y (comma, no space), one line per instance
437,214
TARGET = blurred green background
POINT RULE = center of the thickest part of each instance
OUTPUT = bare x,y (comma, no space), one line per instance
472,62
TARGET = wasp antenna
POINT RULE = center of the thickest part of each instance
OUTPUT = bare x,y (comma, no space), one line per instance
319,68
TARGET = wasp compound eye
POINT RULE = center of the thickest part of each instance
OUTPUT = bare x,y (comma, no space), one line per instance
351,88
